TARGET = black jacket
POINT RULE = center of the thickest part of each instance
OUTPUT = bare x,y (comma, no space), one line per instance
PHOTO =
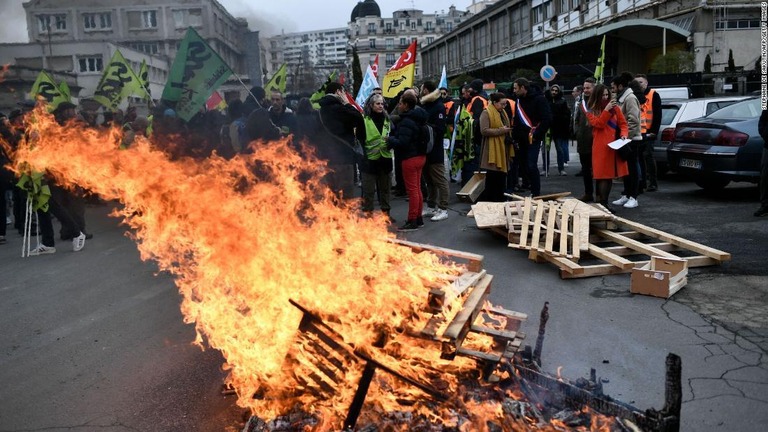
406,138
340,120
435,108
536,107
561,118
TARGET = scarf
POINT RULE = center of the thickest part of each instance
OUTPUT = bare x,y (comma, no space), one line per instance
497,153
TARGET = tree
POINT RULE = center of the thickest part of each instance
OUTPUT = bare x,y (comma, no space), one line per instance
529,74
708,64
357,72
461,80
677,61
731,63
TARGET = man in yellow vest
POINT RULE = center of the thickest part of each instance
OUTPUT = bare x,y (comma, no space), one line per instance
650,122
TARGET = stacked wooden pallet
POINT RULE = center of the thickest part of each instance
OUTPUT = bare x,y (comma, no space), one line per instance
586,240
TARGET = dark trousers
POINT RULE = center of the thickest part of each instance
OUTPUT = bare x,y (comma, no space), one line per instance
495,185
513,173
648,171
522,156
74,205
533,168
68,223
586,171
632,180
340,180
380,182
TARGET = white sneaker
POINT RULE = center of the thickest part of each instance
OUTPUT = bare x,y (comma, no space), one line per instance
631,203
621,201
440,215
428,212
42,250
78,243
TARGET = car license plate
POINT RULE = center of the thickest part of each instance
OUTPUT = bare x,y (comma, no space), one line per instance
690,163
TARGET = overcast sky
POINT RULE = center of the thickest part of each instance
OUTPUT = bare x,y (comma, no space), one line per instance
269,16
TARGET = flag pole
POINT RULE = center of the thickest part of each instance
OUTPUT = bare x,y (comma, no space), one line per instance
247,89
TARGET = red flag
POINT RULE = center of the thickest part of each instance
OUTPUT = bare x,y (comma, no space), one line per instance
375,66
215,102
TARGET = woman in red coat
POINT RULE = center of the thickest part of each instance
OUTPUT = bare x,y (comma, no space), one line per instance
607,123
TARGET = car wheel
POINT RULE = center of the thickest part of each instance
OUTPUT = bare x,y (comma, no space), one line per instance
712,184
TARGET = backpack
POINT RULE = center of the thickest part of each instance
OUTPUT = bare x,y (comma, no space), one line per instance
427,138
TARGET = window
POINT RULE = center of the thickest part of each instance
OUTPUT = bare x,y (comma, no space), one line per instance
430,39
429,26
97,21
388,27
390,43
371,27
449,27
390,60
413,25
149,19
403,42
146,47
372,43
54,23
90,64
188,17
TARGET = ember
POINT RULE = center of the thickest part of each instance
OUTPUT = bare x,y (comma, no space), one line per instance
242,247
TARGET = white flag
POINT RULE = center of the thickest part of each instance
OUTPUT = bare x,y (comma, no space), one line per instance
369,83
443,80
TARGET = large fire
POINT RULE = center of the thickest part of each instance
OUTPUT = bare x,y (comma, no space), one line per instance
245,236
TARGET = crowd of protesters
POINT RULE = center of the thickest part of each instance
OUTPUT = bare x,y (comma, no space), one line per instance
411,145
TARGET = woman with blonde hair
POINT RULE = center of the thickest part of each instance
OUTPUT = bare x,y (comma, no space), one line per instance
608,124
497,148
376,166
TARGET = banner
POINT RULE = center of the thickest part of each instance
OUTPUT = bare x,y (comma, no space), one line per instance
144,80
443,79
277,82
400,75
375,67
196,72
366,88
600,63
46,87
117,83
316,96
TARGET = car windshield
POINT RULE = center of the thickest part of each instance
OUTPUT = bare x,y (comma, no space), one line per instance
745,109
668,113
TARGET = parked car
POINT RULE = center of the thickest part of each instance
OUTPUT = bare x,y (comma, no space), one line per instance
675,111
668,93
720,148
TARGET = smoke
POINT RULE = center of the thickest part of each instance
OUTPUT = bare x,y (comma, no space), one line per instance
14,28
267,24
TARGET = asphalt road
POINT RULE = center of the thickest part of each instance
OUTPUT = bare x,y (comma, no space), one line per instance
94,341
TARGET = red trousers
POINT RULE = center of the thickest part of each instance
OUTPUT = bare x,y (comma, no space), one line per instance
412,168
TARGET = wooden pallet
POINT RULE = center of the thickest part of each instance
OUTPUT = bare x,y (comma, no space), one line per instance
619,245
545,226
473,188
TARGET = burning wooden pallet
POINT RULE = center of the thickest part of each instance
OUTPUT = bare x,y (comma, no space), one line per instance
586,240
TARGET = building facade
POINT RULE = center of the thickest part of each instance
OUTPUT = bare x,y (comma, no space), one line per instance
310,57
387,37
515,34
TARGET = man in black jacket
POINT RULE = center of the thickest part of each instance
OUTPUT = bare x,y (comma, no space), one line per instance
532,120
340,119
434,171
561,121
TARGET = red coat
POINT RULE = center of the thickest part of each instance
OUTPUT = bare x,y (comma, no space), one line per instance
606,164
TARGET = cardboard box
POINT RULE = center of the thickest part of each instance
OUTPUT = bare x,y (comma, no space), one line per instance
662,277
474,187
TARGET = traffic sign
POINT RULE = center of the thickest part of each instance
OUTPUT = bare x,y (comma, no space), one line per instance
547,73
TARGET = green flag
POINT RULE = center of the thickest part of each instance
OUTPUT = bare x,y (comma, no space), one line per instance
600,63
118,82
316,96
46,87
277,82
196,73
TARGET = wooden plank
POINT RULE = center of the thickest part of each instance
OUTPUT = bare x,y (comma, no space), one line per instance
563,263
565,233
495,310
475,260
499,334
598,270
537,224
473,188
579,239
464,352
526,223
459,326
462,284
550,239
675,240
610,257
489,214
633,244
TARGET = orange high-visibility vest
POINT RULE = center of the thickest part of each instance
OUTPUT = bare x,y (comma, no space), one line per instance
646,112
472,102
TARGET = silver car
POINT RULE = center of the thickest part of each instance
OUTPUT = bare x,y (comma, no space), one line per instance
674,111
